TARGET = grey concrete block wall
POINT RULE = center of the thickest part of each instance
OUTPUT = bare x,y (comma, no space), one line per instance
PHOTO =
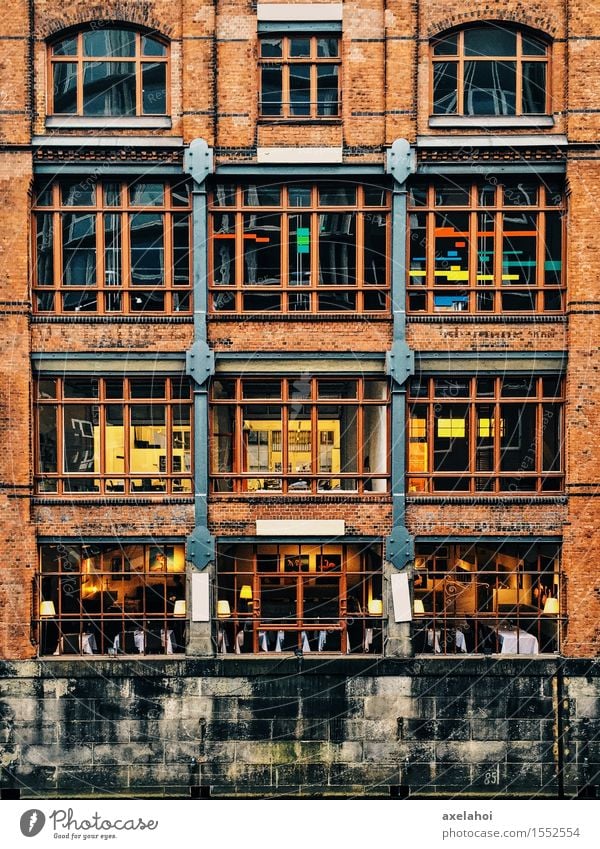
485,727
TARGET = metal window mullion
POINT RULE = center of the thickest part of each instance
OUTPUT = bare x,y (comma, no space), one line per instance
519,77
284,416
127,436
472,440
285,90
473,257
138,74
80,68
100,257
169,445
314,257
238,442
430,245
313,84
460,73
359,283
315,444
497,449
239,258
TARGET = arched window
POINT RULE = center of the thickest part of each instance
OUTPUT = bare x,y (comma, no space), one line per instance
108,72
490,69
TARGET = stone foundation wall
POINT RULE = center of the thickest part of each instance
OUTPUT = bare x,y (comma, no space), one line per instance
486,727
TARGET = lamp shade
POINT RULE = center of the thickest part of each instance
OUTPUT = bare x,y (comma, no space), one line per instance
376,607
418,606
223,609
47,608
246,592
179,608
551,606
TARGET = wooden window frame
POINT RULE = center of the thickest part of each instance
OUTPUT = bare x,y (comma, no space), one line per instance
163,483
285,289
524,591
125,211
459,59
89,611
503,482
347,631
472,288
286,62
242,481
138,59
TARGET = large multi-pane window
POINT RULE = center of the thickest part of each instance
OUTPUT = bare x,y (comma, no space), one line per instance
290,597
303,435
486,247
111,598
108,72
490,69
112,246
113,435
299,248
300,76
489,597
485,434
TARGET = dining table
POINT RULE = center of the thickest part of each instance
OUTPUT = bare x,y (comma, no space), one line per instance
517,641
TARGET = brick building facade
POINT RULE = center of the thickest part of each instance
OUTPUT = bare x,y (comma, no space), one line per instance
299,378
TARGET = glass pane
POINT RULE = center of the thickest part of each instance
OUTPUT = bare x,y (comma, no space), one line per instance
447,46
375,229
181,438
451,438
521,194
299,250
44,248
485,249
153,47
534,88
299,47
451,387
113,387
112,249
519,245
77,301
151,387
300,439
327,47
270,48
491,40
47,439
109,88
375,448
154,88
114,439
255,195
327,89
222,439
553,258
79,249
66,47
262,249
147,249
490,88
147,302
452,196
147,194
551,433
444,88
81,387
78,194
452,248
337,195
147,438
271,91
224,195
64,89
374,196
264,389
180,194
518,443
223,242
417,248
299,196
181,249
340,448
532,46
81,438
109,42
330,389
112,194
337,248
299,90
44,301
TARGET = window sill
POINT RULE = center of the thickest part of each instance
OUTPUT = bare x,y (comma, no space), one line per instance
82,122
335,120
486,122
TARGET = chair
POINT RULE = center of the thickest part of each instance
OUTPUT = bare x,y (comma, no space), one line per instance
154,643
71,644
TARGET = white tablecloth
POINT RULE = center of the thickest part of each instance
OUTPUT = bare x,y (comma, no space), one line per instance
433,639
517,642
139,641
